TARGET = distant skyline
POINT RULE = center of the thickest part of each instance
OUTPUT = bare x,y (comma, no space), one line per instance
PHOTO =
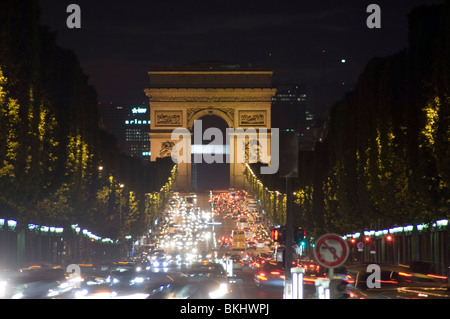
300,41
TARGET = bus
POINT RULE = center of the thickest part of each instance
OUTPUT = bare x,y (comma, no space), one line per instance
238,237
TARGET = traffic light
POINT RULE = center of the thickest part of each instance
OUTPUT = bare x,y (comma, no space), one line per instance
278,234
300,236
389,238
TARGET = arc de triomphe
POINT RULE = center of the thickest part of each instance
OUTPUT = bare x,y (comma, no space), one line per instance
179,95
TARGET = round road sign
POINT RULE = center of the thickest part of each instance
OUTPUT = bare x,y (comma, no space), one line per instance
331,250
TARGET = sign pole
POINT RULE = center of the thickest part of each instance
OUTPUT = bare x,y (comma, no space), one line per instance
331,251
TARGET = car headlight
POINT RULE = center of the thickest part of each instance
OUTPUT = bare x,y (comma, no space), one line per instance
79,294
3,289
138,280
52,293
18,295
220,292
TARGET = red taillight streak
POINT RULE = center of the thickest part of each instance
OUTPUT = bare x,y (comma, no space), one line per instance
388,281
405,274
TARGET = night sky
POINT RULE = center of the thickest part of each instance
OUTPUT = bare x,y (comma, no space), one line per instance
119,40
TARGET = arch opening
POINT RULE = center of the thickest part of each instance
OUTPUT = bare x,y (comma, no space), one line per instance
209,168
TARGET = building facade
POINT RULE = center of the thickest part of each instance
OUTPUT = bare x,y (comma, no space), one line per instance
130,124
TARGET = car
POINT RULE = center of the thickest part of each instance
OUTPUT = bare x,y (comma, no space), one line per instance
260,259
249,232
242,223
251,245
159,260
126,277
396,282
200,281
37,282
270,274
238,263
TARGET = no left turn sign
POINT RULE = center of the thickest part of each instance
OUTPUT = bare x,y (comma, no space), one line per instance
331,250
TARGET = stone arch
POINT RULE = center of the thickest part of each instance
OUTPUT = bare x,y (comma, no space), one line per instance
178,95
209,111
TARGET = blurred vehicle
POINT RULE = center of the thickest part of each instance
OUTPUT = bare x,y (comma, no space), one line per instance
36,282
270,273
242,223
251,245
173,259
238,262
260,243
259,260
396,282
238,237
249,232
158,260
125,277
93,287
224,242
200,281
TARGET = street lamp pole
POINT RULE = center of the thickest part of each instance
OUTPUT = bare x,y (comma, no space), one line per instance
289,250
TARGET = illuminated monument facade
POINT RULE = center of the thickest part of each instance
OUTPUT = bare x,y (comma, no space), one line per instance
180,95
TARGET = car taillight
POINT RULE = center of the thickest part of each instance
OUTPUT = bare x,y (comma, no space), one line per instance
309,281
405,274
352,295
274,272
262,276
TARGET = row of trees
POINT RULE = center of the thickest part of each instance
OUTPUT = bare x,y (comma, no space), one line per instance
56,165
386,159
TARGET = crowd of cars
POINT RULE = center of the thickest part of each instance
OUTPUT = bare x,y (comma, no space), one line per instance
243,210
175,264
120,280
251,228
185,260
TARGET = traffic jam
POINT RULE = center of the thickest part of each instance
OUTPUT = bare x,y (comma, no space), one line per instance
222,246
